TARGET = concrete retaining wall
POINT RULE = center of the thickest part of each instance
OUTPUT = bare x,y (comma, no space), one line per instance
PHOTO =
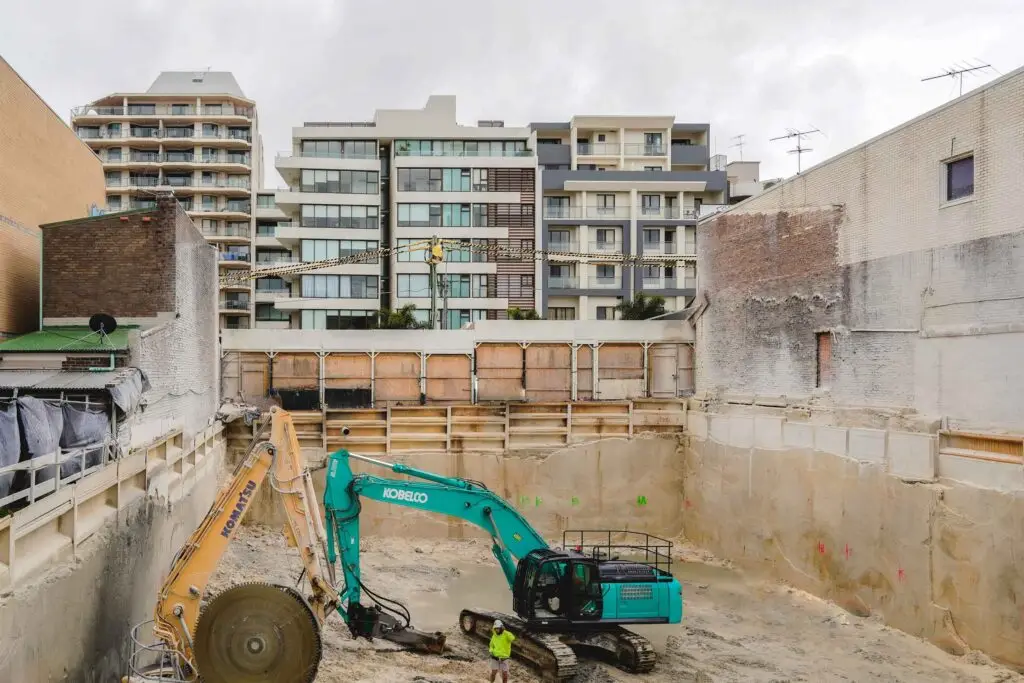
633,484
71,621
881,522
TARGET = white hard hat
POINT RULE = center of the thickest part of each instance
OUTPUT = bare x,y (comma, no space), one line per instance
498,624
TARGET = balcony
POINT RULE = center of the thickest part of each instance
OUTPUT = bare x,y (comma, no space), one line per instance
228,232
276,261
665,213
272,294
168,110
595,282
563,283
581,212
678,282
233,258
598,149
488,152
689,155
640,149
342,155
235,305
711,209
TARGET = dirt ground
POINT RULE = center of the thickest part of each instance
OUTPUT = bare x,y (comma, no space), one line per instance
734,629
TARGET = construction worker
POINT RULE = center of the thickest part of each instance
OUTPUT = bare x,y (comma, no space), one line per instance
501,650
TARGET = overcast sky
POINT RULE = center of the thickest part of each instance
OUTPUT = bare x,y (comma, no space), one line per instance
751,67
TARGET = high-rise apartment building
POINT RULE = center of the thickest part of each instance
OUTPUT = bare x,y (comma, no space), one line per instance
400,180
193,134
623,185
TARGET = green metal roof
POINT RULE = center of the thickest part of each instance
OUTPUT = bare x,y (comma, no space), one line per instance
68,340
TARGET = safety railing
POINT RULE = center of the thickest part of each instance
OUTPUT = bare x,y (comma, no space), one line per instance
614,544
76,462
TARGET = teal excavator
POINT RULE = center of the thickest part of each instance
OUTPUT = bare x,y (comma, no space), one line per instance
576,598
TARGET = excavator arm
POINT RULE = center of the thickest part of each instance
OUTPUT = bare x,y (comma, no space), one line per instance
511,535
196,633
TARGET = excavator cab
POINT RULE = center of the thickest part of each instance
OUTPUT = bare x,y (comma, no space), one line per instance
553,590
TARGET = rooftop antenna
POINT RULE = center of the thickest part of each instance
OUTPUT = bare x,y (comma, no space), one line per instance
799,150
739,143
957,73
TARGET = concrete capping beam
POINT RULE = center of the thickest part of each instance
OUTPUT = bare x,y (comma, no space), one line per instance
990,474
831,440
741,431
768,432
38,537
798,435
867,445
912,456
719,428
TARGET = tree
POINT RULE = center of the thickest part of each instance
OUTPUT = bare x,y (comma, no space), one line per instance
515,313
402,319
642,307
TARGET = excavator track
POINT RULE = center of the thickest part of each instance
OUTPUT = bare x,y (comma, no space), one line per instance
627,650
545,651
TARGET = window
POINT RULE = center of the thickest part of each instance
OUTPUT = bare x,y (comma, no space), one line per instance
413,285
652,238
458,254
560,240
456,318
605,203
650,203
600,137
561,313
266,229
113,179
824,359
526,281
653,168
318,250
337,149
456,286
479,179
606,272
460,148
271,284
960,178
480,286
333,216
344,182
337,320
606,313
339,286
141,109
114,202
114,154
652,144
269,312
264,201
433,215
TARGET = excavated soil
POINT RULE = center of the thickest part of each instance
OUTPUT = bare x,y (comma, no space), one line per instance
735,629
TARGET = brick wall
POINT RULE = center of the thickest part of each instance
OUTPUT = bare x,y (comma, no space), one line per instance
181,357
121,264
47,175
924,299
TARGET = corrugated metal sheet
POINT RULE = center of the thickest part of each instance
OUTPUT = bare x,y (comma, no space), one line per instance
63,381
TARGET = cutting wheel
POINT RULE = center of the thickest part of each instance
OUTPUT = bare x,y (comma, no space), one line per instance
257,632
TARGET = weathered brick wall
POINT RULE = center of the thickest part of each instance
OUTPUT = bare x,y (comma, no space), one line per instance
47,174
181,357
121,264
924,298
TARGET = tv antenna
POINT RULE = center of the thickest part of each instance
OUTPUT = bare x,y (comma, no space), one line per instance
957,73
799,150
739,143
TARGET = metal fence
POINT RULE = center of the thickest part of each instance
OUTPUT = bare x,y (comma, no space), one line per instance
88,459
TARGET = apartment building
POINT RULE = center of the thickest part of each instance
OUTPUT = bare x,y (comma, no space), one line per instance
194,135
47,175
622,186
398,181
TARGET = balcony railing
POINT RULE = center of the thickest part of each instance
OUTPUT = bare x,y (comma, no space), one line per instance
233,256
274,293
179,158
603,282
563,246
678,282
598,149
606,247
341,155
578,212
273,262
665,212
563,283
162,134
234,304
401,152
227,231
164,110
640,149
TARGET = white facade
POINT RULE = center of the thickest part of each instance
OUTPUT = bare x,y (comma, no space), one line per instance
399,181
615,187
193,134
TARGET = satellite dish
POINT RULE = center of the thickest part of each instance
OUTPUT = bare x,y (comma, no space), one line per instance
101,322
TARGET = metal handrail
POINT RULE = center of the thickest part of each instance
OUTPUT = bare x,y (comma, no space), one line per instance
56,460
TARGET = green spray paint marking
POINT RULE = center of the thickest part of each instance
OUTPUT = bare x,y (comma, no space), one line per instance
537,502
641,500
575,500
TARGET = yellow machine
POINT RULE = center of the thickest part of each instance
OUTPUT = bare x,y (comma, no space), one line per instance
253,631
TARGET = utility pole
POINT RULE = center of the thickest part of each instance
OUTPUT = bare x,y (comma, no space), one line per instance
957,74
739,143
434,256
799,150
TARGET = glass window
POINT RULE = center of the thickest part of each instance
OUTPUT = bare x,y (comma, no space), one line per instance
605,272
413,285
270,312
606,313
458,254
561,313
960,178
479,179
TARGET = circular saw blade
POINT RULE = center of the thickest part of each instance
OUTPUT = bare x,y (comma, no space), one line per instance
257,632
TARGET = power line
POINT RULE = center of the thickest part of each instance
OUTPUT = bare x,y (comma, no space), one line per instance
799,150
957,72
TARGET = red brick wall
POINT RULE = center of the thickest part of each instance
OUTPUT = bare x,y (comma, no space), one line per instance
121,264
